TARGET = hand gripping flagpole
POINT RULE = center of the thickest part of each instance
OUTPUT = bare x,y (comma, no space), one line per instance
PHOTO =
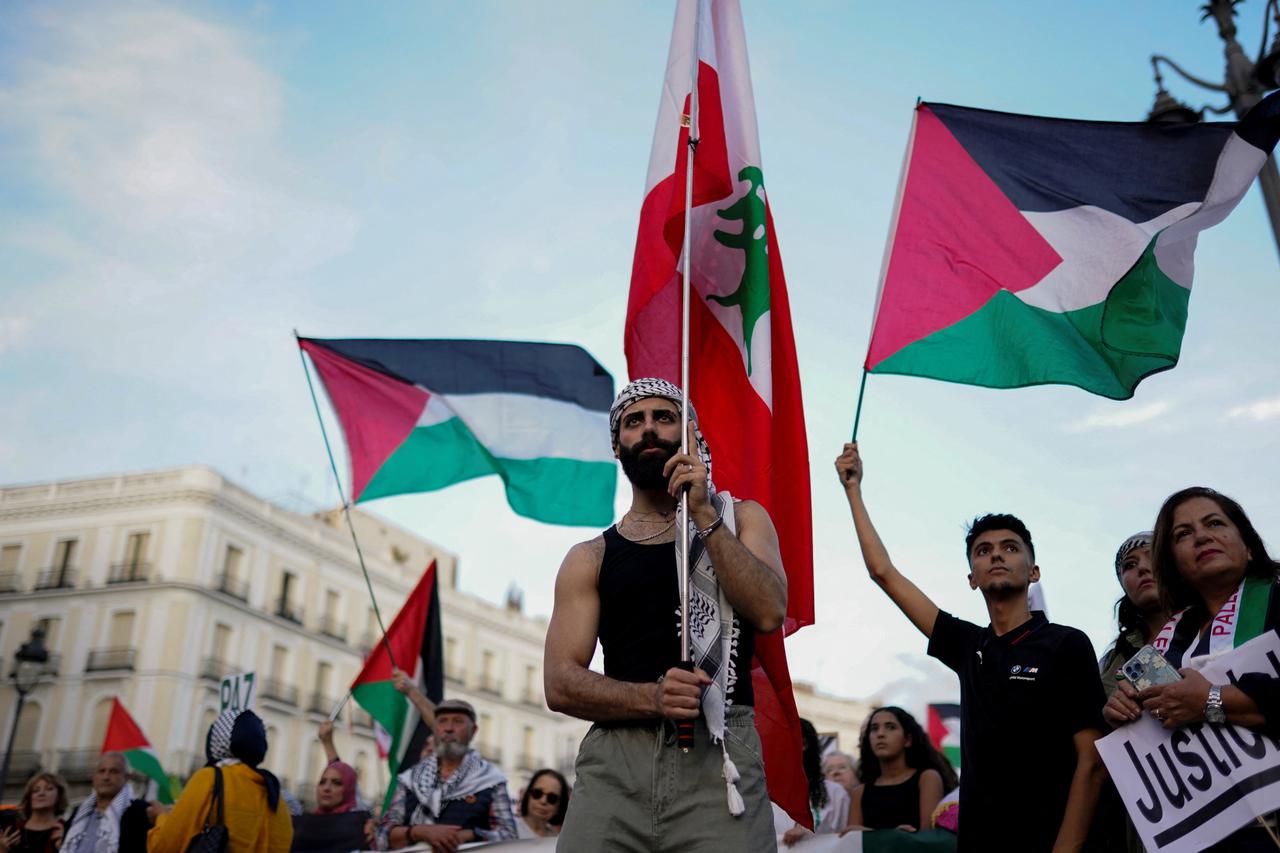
346,510
684,728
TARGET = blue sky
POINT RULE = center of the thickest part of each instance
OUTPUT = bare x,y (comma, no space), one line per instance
182,185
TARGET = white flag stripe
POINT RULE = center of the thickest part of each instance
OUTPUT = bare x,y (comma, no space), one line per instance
521,426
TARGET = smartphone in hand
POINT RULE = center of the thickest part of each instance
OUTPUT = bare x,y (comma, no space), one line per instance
1148,668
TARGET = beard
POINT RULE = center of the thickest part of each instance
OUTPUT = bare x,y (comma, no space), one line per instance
1006,587
645,472
451,750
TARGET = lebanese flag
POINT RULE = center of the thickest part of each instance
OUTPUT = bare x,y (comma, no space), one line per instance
125,736
416,642
744,381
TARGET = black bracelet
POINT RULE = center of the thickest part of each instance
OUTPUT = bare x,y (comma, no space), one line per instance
704,532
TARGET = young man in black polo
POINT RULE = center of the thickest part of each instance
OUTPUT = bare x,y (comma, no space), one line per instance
1030,698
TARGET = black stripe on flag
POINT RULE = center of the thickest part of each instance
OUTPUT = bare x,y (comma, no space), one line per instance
557,371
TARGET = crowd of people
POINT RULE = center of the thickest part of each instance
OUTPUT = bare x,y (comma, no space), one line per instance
1035,698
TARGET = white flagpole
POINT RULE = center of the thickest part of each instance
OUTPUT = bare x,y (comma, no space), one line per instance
685,731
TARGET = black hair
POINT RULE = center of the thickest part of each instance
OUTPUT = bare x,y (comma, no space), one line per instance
1175,592
557,818
920,752
997,521
811,758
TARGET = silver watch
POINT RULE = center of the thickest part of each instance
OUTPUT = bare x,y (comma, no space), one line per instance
1213,710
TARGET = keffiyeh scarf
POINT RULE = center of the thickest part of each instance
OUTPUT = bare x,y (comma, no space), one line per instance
1134,542
474,774
713,626
108,827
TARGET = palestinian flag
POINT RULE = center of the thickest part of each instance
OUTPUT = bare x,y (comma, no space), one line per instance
744,380
944,730
897,841
417,645
422,415
124,735
1030,251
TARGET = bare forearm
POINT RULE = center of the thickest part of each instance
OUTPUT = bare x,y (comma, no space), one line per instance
755,590
1241,709
1082,798
874,554
399,837
587,695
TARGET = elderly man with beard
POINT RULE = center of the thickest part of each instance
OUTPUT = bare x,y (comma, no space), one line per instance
635,789
452,797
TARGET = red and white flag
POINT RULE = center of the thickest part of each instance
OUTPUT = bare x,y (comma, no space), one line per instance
744,381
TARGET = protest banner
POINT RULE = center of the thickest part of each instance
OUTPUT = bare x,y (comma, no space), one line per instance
238,692
1189,787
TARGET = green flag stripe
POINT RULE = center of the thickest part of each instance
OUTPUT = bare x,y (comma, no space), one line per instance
1253,609
145,762
554,490
1106,348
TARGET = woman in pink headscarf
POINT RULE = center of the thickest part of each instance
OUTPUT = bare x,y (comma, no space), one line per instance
336,790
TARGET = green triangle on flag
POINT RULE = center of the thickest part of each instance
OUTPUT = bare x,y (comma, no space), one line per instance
126,737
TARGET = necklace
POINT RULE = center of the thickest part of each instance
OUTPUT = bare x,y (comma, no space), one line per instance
655,535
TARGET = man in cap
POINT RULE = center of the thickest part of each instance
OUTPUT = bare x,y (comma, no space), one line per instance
635,789
451,797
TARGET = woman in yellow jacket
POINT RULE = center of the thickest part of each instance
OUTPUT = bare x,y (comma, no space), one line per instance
252,812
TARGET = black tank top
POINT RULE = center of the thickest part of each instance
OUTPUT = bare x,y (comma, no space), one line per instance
891,806
640,615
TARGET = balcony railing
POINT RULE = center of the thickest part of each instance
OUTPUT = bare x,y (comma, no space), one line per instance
489,684
492,754
367,642
331,627
278,691
319,703
23,763
52,664
531,697
525,761
77,765
233,586
289,611
129,573
453,675
103,660
214,669
9,582
56,577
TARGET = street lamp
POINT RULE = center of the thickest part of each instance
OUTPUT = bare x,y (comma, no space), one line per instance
28,666
1245,84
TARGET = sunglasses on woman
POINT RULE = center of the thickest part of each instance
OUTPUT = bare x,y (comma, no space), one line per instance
537,794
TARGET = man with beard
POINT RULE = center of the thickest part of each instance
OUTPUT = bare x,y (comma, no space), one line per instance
635,789
451,797
1030,699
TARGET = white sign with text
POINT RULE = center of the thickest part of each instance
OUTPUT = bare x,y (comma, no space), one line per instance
1189,787
238,692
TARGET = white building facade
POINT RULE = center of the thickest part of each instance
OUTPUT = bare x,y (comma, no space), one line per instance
151,587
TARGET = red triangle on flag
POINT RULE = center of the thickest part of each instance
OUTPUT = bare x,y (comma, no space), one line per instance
939,273
404,635
123,732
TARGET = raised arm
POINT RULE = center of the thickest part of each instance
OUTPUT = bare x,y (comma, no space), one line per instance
426,708
917,606
570,686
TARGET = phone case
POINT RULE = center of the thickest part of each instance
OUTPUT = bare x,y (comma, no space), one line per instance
1148,668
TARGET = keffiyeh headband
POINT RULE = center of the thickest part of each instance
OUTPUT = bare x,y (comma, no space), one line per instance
642,389
1134,542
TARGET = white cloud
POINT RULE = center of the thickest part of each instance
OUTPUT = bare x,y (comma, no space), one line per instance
13,331
187,209
1258,410
1126,416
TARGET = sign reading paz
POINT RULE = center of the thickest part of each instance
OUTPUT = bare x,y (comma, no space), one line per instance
1189,787
238,692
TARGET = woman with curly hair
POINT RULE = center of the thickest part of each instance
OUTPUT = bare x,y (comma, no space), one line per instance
903,776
